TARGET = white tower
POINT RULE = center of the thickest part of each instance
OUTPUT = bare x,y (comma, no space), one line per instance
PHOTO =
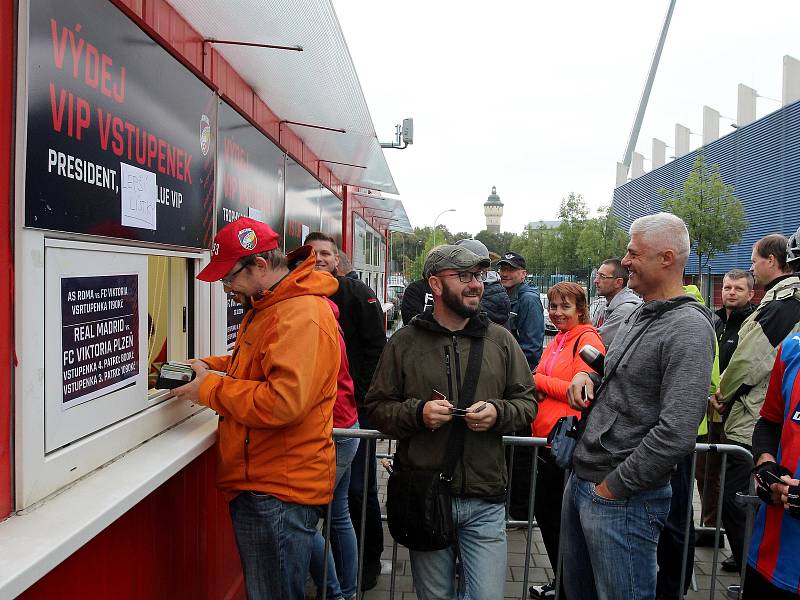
493,209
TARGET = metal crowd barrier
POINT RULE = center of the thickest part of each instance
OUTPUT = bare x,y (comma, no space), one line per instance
372,437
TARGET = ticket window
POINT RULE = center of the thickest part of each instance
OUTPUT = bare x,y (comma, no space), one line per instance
99,320
168,314
122,315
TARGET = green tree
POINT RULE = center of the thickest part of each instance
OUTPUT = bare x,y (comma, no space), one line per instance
573,213
496,242
539,246
601,238
713,215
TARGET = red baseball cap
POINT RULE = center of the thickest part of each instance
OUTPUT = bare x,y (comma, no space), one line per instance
243,237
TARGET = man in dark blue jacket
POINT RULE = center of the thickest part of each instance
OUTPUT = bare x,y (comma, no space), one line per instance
526,322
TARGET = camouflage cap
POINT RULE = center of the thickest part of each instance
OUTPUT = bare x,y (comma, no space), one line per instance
446,257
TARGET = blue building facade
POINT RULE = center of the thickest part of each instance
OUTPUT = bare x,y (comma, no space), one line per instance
761,161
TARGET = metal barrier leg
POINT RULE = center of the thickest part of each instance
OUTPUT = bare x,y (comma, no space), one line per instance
371,447
687,527
394,571
560,562
718,525
531,501
510,468
753,501
327,536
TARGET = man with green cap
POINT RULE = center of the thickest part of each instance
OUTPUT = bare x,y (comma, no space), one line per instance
421,394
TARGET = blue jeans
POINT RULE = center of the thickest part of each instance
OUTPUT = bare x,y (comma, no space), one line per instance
481,546
343,550
610,545
274,540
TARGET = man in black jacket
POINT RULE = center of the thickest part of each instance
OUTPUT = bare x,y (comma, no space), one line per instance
737,292
362,322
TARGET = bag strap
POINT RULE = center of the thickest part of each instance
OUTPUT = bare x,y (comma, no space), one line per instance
455,441
575,347
666,308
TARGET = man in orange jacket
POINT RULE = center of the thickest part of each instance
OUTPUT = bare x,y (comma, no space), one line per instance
276,457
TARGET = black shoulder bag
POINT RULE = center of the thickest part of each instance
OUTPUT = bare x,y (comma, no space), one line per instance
563,438
418,501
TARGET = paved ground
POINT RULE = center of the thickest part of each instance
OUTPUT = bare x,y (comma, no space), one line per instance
538,571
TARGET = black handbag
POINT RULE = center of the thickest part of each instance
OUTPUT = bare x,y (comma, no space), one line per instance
562,439
419,501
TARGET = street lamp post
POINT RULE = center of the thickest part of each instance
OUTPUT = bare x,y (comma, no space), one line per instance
436,221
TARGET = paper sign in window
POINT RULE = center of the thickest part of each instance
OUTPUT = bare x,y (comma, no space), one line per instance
139,195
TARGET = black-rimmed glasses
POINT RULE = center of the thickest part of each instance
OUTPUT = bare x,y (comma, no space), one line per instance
228,279
467,276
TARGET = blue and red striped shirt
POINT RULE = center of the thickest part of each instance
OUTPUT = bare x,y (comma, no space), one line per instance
775,549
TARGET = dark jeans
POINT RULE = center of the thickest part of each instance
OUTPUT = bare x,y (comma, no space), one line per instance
519,495
734,513
757,587
275,540
547,505
670,544
373,528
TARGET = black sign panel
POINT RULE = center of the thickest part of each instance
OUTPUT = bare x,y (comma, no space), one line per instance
120,134
249,173
330,210
249,183
302,204
99,335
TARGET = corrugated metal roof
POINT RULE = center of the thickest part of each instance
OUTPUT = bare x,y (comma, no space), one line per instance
761,161
318,86
387,212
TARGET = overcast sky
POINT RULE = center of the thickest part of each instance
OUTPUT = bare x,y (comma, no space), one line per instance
538,98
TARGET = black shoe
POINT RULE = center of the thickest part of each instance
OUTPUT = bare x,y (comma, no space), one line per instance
729,565
543,591
705,539
369,578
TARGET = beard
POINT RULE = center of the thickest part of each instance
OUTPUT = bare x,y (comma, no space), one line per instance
455,302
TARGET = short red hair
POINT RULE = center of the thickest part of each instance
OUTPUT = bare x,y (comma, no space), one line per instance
567,290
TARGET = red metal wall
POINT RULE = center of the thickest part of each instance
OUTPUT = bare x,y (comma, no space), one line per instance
7,61
176,543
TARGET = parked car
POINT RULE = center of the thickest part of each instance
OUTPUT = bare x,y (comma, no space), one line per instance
549,328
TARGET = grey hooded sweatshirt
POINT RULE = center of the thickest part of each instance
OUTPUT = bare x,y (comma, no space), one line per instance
645,418
621,305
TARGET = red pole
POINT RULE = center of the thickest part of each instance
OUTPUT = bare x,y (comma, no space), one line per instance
8,20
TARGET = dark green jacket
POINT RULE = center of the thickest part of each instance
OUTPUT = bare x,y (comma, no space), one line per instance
414,363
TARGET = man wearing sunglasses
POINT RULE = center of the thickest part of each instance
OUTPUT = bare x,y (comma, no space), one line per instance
276,458
416,395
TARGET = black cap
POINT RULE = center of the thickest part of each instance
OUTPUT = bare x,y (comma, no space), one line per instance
513,260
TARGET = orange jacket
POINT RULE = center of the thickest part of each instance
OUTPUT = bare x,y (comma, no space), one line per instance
559,363
276,404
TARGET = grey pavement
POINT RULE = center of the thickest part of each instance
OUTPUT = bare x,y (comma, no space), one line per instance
539,569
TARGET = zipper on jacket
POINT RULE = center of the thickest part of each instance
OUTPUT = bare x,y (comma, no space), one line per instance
458,384
449,373
246,453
